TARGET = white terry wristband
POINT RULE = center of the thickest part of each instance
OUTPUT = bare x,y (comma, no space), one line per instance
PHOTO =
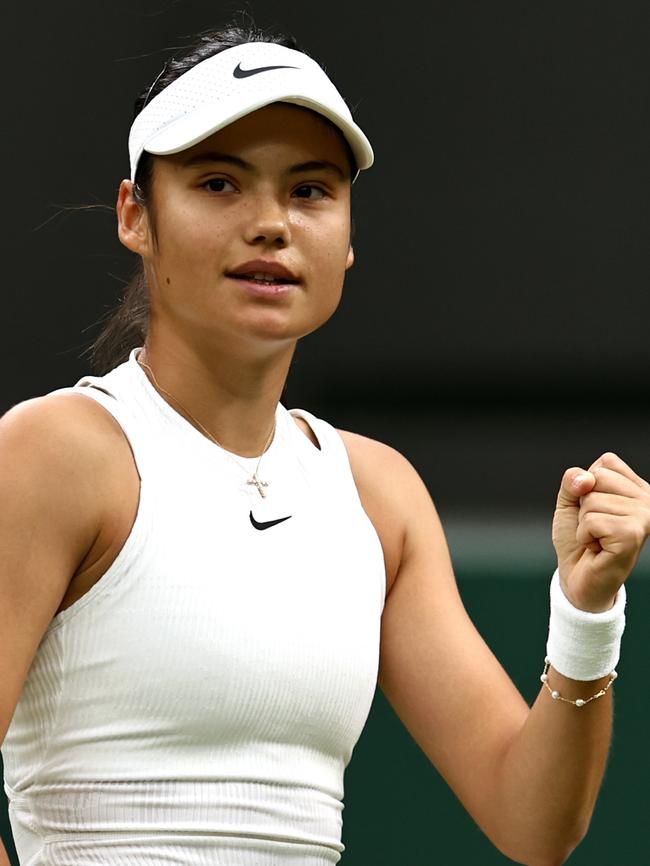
583,645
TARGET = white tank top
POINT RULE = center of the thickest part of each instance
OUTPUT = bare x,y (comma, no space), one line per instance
199,704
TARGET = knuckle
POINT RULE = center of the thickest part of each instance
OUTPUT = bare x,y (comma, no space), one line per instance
585,530
634,532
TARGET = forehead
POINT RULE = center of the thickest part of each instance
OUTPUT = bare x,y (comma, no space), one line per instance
299,131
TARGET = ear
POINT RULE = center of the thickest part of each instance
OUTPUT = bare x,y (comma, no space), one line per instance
132,221
350,259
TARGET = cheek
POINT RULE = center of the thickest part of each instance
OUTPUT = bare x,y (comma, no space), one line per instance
329,269
328,243
192,244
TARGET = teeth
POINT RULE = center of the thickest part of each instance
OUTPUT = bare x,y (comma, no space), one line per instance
267,279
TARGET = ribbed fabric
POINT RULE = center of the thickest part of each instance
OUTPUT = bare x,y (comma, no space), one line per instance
199,704
582,645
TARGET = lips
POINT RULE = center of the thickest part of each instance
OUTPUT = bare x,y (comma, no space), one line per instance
264,271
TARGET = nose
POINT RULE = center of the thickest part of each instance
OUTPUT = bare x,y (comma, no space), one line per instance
268,223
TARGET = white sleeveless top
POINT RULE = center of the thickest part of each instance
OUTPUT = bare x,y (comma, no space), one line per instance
199,704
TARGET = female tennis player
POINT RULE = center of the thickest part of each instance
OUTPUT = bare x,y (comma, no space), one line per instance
200,589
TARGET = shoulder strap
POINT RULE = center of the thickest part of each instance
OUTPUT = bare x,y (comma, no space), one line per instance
328,437
333,450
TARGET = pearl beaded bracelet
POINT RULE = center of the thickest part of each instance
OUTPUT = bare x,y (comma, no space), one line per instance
579,702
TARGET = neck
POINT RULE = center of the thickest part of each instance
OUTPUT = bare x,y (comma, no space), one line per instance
233,398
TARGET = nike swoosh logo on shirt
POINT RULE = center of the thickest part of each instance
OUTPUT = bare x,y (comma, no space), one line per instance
266,524
238,72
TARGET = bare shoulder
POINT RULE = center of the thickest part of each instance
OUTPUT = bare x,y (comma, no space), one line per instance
374,461
61,423
392,493
62,457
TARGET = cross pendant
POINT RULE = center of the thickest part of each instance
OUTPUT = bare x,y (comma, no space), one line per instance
259,484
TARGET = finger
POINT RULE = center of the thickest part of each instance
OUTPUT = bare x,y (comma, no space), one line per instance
609,460
606,503
589,530
612,481
619,535
576,482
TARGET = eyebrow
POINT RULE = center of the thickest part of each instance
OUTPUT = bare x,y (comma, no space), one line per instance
312,165
318,165
211,156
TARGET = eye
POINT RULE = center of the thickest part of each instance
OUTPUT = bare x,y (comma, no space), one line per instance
219,184
307,191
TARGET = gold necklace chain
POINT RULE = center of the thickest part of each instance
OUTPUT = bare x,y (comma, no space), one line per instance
253,479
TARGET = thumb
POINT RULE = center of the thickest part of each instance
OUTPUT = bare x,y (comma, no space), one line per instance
576,482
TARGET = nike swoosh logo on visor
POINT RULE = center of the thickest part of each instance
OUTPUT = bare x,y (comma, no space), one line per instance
238,72
266,524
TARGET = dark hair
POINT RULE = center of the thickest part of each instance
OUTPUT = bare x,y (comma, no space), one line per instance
126,326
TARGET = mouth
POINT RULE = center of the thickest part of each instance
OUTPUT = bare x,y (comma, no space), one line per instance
263,279
264,286
264,273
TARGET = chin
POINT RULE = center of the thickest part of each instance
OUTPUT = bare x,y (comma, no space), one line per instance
277,325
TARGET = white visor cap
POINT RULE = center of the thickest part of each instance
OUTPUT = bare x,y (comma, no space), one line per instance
235,82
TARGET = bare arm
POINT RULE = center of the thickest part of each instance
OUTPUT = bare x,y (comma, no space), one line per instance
55,470
528,776
51,476
4,857
601,521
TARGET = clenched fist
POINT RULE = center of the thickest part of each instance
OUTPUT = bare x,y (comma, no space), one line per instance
601,521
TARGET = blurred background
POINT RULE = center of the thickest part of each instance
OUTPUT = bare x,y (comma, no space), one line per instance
493,327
